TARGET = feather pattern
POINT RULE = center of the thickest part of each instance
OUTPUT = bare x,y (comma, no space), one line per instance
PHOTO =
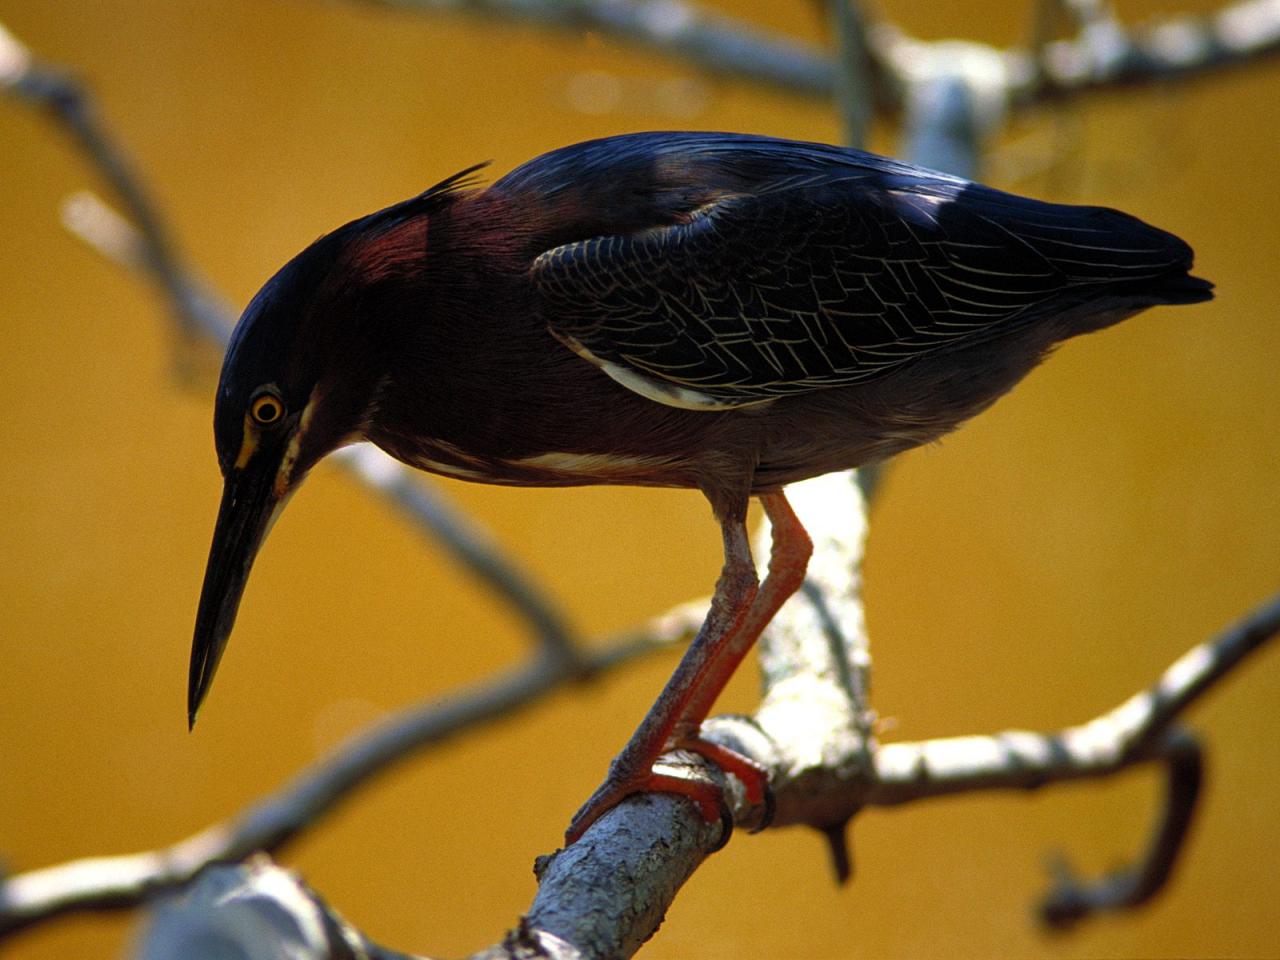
796,267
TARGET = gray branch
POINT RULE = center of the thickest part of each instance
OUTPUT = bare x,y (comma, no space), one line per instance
605,896
717,44
140,241
106,883
820,779
1023,760
1106,55
254,910
1102,55
1070,900
854,95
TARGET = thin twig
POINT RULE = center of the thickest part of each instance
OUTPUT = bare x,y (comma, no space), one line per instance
109,233
855,98
1072,899
104,883
1093,62
68,102
717,44
1022,759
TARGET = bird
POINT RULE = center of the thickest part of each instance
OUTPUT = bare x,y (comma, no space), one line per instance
723,312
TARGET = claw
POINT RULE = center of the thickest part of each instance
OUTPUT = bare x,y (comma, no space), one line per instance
708,796
726,826
770,810
754,778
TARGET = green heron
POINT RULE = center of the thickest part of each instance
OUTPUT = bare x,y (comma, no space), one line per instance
723,312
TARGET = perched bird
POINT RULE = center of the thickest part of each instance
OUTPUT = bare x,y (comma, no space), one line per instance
717,311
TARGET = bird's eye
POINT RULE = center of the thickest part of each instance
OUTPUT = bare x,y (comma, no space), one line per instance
266,408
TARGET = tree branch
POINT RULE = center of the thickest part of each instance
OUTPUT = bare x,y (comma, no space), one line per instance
1023,760
1102,56
140,241
718,44
254,910
854,94
1071,900
606,894
1106,55
106,883
819,779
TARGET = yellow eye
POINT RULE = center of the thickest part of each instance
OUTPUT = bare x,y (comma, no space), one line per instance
266,408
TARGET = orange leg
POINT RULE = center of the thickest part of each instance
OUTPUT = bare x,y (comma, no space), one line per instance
739,612
789,554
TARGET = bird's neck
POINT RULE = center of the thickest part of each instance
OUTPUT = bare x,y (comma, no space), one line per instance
457,316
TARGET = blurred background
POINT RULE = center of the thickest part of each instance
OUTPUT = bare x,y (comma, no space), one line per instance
1032,571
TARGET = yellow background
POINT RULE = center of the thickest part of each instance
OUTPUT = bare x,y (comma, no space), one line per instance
1031,571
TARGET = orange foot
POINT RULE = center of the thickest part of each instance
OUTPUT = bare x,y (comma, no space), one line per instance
619,785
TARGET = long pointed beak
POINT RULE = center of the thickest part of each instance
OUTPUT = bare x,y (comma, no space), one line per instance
249,504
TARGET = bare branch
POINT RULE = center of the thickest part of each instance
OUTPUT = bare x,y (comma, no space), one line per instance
717,44
1071,900
815,715
67,101
831,786
855,98
1022,759
603,896
607,894
253,910
1103,56
103,883
595,900
1093,21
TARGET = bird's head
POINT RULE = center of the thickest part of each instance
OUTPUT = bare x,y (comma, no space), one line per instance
284,400
301,378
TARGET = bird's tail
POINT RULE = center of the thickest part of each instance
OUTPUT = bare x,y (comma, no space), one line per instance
1115,302
1182,288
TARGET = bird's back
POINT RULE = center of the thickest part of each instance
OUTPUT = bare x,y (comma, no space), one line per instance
719,270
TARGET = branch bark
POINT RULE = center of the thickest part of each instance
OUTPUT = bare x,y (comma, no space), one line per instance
1103,55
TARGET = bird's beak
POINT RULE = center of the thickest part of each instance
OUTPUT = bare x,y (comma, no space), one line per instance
251,499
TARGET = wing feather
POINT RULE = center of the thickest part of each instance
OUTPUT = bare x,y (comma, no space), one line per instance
833,276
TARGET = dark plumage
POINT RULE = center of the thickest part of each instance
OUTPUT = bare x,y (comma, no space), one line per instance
725,312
